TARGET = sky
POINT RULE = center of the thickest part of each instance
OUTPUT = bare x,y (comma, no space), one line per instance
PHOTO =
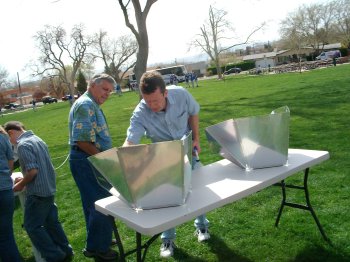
172,24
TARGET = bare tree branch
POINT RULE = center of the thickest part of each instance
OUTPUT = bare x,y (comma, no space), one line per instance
63,57
213,32
115,54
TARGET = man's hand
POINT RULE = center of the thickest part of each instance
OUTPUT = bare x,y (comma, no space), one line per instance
195,145
18,187
18,179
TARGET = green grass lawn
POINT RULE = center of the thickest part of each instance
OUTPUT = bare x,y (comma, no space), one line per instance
244,230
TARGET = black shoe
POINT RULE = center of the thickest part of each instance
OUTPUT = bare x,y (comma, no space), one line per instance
109,255
69,257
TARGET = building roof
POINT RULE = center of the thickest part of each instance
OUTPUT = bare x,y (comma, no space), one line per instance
332,46
259,56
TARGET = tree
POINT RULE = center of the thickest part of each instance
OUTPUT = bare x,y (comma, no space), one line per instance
59,54
213,32
81,82
140,33
3,76
115,54
342,21
38,94
293,35
313,23
53,85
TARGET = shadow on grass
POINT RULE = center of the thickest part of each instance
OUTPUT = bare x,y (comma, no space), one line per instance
320,253
223,252
182,255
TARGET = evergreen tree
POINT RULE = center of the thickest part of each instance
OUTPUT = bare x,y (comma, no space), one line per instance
81,83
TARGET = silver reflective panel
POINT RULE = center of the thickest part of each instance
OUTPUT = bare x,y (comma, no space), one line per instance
253,142
147,176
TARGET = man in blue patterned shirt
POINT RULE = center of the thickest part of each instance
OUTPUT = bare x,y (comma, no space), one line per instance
39,178
165,115
89,135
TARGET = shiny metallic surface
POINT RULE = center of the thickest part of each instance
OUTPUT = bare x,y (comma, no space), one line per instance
253,142
148,176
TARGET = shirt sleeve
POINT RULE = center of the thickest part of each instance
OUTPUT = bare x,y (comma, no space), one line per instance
136,129
27,158
84,122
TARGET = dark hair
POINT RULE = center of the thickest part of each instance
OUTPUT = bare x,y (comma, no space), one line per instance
14,125
96,79
150,81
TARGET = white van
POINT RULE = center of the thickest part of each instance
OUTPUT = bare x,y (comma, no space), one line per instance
329,55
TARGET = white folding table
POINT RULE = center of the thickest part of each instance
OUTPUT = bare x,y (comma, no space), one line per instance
213,186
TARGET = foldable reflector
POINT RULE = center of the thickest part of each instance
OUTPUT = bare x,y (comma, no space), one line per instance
253,142
147,176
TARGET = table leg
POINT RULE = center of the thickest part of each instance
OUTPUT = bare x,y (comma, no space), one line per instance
118,240
307,207
122,254
138,247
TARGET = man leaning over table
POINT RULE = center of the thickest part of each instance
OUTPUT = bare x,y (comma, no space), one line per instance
89,135
165,115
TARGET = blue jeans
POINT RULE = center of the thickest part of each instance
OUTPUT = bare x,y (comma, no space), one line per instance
8,248
98,226
201,222
44,229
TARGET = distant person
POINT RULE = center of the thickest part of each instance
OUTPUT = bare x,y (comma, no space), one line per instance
187,77
8,248
172,79
40,214
166,115
134,86
89,135
128,85
118,89
334,61
34,105
192,79
70,99
176,80
195,79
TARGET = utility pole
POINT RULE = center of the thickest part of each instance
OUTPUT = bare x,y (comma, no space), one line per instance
20,91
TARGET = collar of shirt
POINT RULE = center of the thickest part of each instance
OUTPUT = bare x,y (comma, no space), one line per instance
25,135
91,97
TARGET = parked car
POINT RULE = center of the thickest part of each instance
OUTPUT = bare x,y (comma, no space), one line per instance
67,97
11,106
48,100
233,70
329,55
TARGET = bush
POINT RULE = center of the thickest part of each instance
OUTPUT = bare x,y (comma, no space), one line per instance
344,51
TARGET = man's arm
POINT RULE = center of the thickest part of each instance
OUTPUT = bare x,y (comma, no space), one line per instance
88,147
194,124
21,183
128,143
